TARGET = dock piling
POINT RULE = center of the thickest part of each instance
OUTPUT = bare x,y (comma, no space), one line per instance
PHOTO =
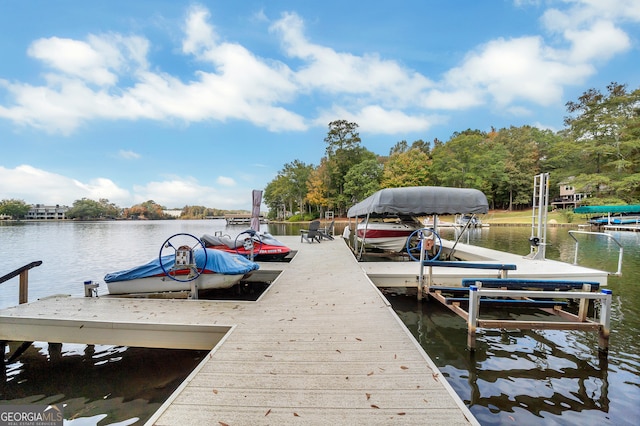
605,321
472,320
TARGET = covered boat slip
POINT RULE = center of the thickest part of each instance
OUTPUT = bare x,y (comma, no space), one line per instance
408,204
432,200
320,346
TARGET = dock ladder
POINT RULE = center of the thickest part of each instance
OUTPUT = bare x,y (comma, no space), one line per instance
538,238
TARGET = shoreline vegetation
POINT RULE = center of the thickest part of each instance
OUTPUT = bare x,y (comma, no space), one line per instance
500,218
493,218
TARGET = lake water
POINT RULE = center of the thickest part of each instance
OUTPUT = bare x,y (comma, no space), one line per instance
529,378
542,377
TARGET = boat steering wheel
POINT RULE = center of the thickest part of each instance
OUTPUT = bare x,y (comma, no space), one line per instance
250,242
184,267
414,243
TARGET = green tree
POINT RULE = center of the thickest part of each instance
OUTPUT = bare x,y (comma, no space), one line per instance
605,126
399,148
343,151
471,159
109,209
521,163
85,209
148,210
362,180
403,146
288,189
409,168
298,174
318,185
17,209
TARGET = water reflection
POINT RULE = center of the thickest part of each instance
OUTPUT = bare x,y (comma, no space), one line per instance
527,372
97,384
541,376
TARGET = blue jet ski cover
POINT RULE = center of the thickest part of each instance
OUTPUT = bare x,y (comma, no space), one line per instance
217,261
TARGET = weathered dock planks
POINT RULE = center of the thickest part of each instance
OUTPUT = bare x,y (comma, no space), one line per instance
321,347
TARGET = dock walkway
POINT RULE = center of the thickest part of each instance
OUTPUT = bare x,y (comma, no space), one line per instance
321,346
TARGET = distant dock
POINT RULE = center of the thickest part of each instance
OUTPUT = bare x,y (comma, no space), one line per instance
241,219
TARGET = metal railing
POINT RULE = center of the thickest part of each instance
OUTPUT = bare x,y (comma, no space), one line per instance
23,272
604,234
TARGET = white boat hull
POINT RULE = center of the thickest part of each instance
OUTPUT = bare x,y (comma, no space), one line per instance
390,236
163,283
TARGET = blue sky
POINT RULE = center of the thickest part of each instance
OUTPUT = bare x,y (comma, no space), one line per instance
198,103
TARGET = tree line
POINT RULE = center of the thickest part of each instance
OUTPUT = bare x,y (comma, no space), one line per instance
597,153
87,209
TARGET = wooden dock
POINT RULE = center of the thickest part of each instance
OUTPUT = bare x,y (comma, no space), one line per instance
320,346
241,219
405,274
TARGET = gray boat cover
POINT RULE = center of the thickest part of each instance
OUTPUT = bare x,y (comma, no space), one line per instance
421,201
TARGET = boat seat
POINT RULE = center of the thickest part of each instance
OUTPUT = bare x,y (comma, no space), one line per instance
211,240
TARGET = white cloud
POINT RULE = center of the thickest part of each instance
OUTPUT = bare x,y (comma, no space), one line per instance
599,43
36,186
324,69
179,192
583,13
375,120
454,99
519,69
108,77
200,35
96,61
225,181
128,155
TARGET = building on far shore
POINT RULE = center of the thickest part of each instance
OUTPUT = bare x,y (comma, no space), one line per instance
568,196
42,212
173,212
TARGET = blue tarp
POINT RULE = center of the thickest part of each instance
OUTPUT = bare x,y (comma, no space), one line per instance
217,261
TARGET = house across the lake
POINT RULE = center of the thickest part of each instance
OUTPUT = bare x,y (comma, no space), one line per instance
568,198
42,212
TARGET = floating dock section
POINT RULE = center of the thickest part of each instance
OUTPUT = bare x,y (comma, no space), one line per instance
320,346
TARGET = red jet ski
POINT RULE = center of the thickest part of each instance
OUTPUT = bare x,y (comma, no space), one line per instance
261,245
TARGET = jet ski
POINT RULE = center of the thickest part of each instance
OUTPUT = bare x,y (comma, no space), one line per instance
259,246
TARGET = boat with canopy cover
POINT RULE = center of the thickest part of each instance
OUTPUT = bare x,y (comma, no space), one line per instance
422,201
387,213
